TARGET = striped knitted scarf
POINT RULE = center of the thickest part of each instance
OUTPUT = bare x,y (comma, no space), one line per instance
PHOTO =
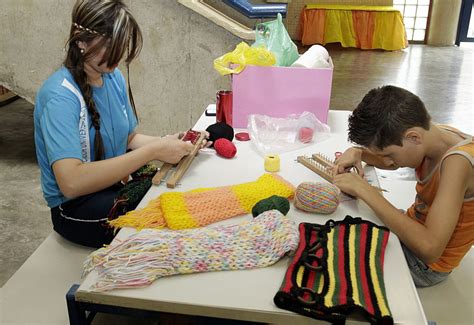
203,206
338,269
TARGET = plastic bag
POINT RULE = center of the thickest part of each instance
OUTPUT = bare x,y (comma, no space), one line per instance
243,55
273,35
273,135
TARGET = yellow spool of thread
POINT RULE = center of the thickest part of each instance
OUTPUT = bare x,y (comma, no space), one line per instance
272,163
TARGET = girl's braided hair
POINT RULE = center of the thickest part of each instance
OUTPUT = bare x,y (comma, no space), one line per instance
107,21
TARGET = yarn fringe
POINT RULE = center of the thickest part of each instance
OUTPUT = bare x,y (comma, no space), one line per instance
147,255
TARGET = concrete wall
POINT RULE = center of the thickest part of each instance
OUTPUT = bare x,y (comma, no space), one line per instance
172,81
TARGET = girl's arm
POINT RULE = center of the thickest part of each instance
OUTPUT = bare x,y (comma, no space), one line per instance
76,178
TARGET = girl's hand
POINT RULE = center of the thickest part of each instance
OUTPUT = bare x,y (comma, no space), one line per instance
352,157
170,149
204,144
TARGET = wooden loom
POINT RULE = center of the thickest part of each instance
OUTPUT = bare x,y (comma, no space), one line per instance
323,166
196,139
319,164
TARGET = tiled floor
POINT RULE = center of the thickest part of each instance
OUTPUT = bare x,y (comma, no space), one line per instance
441,76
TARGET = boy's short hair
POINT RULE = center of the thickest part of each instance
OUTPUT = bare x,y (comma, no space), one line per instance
383,116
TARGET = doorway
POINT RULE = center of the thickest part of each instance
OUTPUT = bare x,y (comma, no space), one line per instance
466,23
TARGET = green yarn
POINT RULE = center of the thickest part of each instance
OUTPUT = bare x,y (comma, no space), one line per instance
273,202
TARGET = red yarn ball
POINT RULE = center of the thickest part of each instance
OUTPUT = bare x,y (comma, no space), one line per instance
225,148
305,134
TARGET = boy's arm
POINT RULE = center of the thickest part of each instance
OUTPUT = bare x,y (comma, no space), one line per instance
456,172
353,157
427,241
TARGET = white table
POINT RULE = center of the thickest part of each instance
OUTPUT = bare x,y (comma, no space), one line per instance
248,294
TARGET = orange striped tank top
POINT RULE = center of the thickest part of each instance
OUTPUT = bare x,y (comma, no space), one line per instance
463,236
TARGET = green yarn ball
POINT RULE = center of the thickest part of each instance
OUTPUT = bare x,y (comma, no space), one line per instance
273,202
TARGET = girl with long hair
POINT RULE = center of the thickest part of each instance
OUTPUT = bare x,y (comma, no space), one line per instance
85,124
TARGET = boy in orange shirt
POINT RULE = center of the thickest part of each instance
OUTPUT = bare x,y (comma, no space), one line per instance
394,129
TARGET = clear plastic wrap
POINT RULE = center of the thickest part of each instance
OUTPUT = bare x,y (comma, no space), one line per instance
275,135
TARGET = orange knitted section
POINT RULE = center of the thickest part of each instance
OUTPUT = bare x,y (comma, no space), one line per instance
206,209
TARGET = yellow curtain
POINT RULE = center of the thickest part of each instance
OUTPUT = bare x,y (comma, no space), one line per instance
354,26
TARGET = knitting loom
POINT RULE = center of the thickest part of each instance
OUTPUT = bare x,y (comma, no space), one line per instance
319,164
196,138
323,166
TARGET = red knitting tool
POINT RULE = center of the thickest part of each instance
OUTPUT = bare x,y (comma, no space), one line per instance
196,138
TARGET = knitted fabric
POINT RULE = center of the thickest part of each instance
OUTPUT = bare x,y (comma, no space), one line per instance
273,202
133,192
338,269
203,206
152,253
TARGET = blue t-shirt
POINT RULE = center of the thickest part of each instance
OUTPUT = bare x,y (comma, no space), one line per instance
63,127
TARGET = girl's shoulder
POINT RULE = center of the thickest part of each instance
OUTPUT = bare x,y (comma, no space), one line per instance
59,87
57,84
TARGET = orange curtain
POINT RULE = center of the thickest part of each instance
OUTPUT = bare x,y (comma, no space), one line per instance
361,28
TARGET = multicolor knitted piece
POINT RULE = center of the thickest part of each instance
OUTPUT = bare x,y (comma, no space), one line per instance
133,192
203,206
153,253
338,269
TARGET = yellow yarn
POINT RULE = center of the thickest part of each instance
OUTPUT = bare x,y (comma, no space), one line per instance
267,185
148,217
272,163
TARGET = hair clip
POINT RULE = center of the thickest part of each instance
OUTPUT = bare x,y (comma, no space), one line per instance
87,29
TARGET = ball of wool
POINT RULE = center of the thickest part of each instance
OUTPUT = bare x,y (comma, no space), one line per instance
317,197
273,202
220,130
305,134
225,148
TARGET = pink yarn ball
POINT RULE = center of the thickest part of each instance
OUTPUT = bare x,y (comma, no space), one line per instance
225,148
305,134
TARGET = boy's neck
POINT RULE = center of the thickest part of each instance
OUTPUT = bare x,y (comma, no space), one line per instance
438,141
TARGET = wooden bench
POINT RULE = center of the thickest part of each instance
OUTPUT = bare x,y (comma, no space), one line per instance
452,301
36,293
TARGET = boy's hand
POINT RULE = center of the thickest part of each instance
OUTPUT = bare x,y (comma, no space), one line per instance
352,157
351,183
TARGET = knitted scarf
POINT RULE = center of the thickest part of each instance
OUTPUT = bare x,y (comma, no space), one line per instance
150,254
338,269
203,206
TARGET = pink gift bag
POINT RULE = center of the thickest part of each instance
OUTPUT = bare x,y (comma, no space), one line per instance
280,91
